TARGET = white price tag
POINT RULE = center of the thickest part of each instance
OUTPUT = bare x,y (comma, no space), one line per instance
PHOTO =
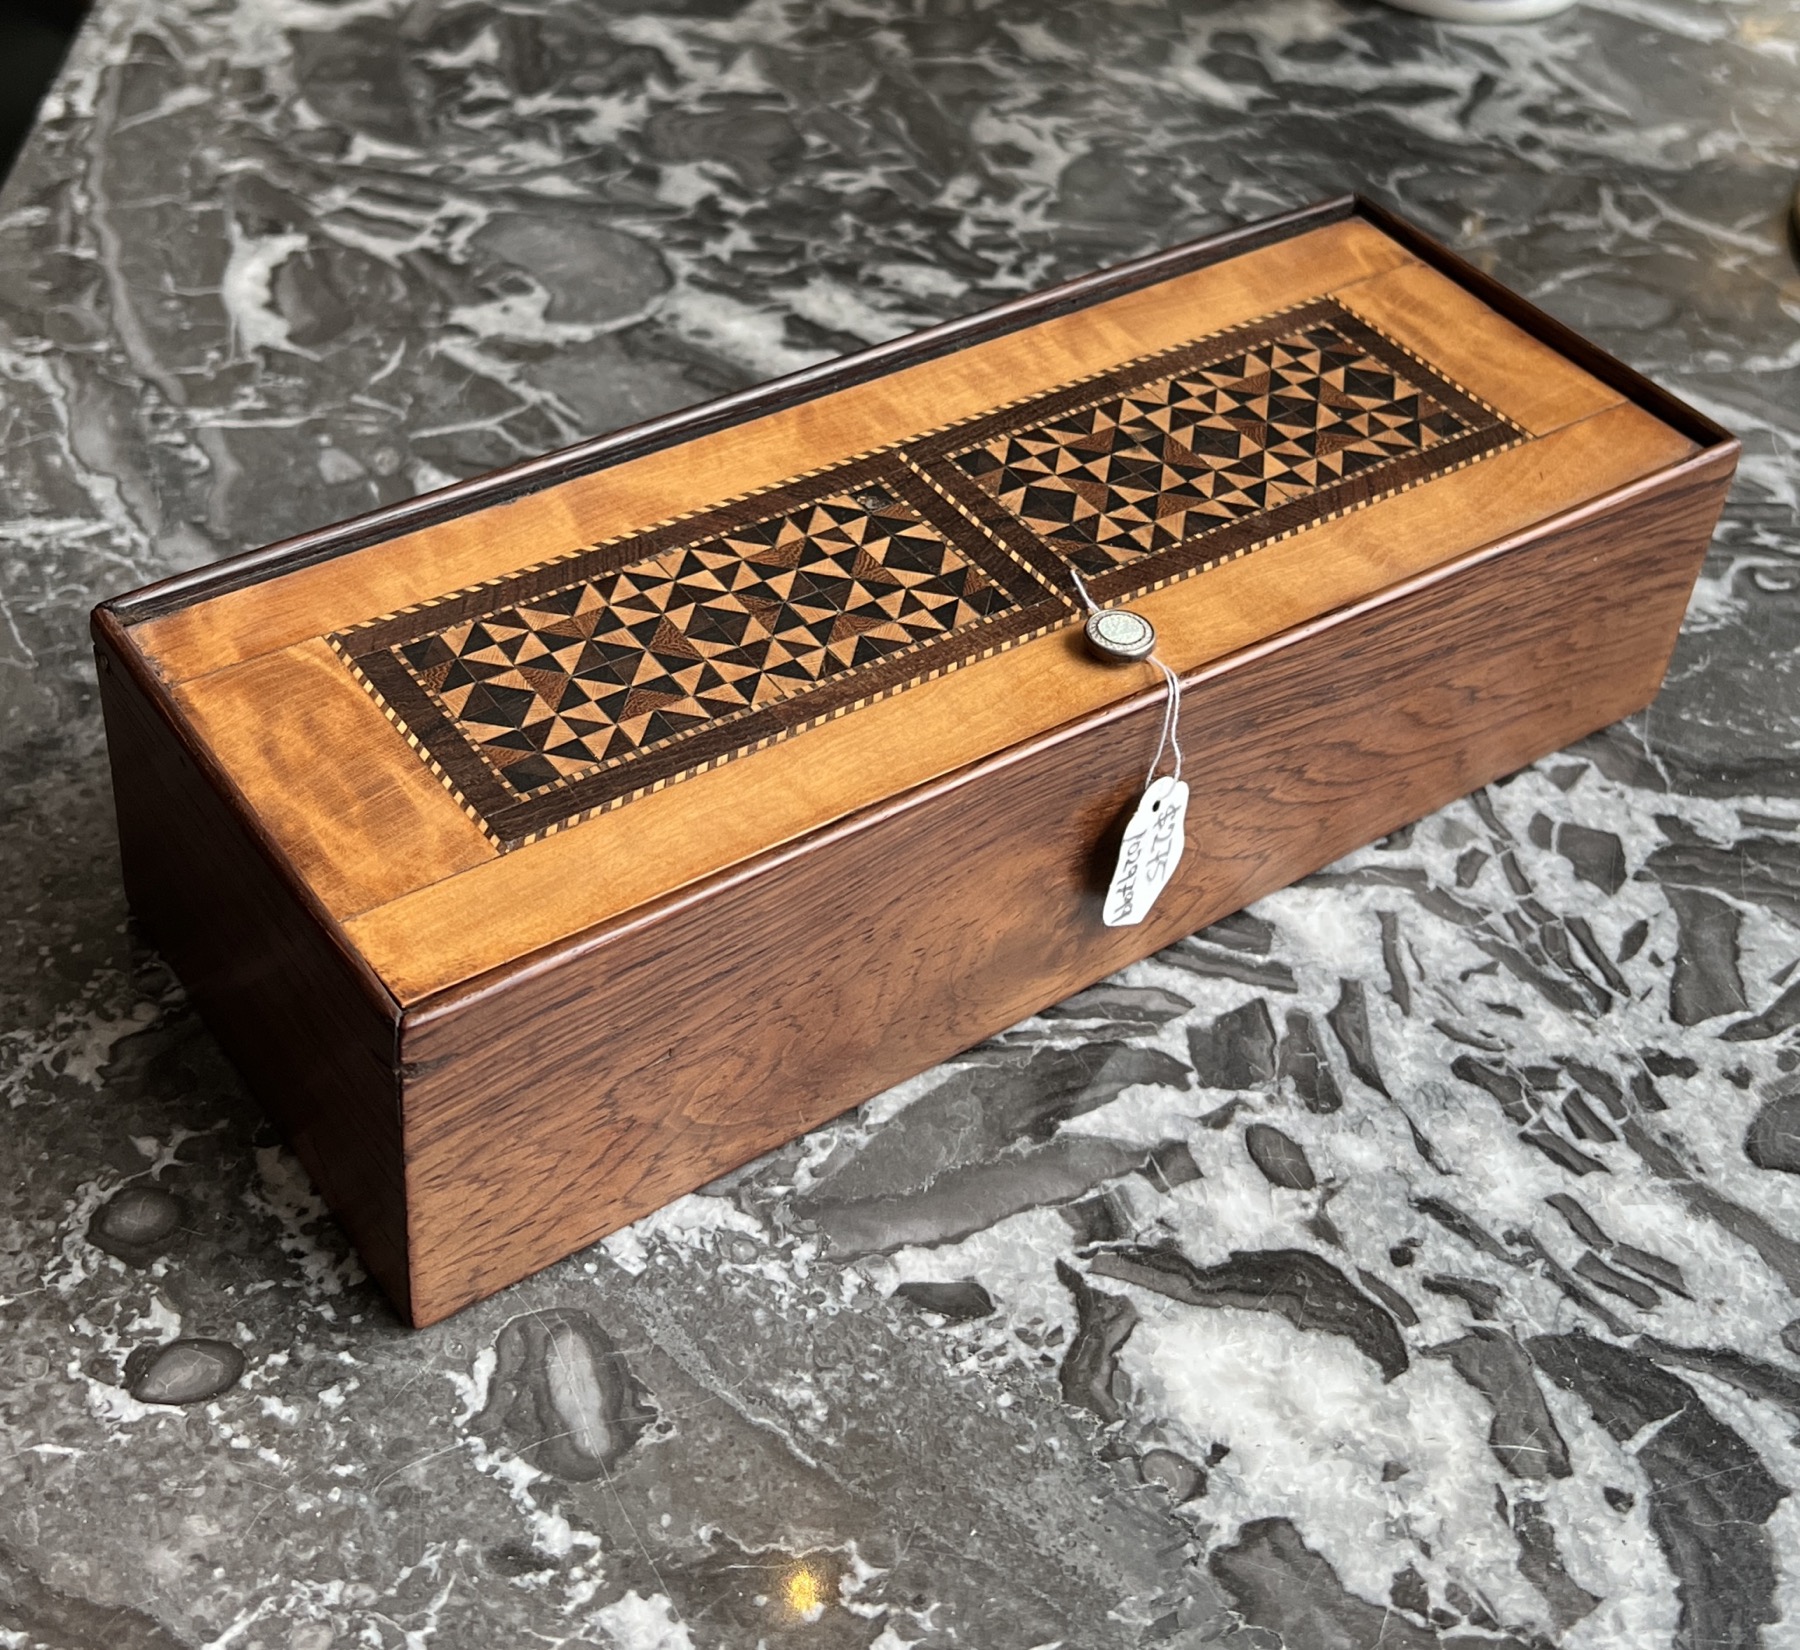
1155,836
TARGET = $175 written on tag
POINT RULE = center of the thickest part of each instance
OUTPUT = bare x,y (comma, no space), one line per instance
1155,836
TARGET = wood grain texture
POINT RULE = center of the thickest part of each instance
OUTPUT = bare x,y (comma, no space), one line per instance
359,816
310,1031
485,544
1544,328
454,928
566,1100
1485,352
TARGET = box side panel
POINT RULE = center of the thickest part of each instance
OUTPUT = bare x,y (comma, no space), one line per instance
311,1041
583,1091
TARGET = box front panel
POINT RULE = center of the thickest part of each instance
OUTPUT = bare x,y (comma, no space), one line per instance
580,1094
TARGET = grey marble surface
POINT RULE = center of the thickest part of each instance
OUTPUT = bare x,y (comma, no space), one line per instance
1412,1261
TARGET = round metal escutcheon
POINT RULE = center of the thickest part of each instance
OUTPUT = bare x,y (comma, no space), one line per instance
1118,634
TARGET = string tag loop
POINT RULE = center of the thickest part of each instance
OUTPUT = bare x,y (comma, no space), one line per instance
1156,833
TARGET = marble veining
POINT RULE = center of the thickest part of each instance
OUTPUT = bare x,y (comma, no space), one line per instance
1413,1260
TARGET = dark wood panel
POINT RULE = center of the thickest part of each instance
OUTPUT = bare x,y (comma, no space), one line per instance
313,1034
558,1101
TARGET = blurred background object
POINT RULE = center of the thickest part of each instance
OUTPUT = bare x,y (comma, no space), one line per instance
1484,11
34,36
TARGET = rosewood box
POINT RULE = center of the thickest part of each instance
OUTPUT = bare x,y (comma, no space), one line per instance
549,845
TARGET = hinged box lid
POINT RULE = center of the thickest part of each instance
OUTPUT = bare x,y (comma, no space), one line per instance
509,713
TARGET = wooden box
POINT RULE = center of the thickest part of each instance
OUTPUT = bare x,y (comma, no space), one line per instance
547,846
